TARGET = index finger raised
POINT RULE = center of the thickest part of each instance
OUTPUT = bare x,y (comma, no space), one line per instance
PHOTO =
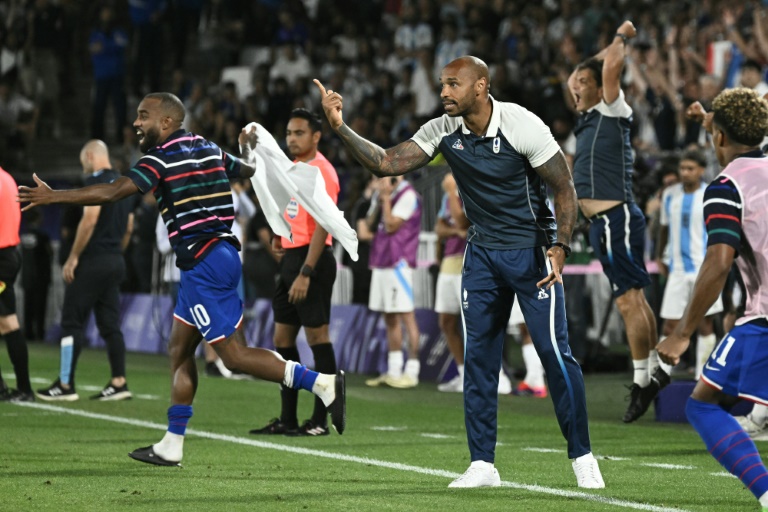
319,86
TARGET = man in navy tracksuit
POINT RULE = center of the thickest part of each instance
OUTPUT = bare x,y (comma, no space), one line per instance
502,157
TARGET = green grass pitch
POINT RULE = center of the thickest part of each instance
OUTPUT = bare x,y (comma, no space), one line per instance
400,451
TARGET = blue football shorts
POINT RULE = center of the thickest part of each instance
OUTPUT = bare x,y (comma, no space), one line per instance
739,363
618,238
208,296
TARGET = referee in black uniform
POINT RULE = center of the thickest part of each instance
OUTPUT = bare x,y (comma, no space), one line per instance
93,273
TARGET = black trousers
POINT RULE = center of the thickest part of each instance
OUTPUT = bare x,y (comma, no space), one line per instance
96,288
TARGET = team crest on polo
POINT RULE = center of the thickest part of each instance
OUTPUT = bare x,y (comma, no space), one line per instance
292,209
458,144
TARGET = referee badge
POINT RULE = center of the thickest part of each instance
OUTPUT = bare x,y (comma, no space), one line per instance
496,144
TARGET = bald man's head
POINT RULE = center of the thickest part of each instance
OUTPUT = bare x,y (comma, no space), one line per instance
474,67
465,86
94,156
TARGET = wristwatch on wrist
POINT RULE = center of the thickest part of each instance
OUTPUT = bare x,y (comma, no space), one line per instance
307,271
622,36
565,248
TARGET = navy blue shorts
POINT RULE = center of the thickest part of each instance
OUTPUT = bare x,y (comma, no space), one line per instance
208,296
739,363
618,238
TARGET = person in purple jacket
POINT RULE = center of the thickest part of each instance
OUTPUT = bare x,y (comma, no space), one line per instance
395,219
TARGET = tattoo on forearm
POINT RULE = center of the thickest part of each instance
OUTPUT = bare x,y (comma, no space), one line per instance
556,174
395,161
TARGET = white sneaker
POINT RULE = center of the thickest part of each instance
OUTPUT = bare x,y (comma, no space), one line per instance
479,474
587,472
376,381
455,385
755,430
402,382
505,385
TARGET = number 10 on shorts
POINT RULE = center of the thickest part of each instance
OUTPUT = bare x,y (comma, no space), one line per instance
200,316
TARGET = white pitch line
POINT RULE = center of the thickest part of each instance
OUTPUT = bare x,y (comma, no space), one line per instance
542,450
723,473
436,436
386,428
666,466
351,458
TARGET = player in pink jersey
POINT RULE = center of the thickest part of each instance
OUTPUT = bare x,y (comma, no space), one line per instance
734,213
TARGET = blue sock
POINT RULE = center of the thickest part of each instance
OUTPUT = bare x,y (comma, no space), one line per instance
303,377
728,444
178,416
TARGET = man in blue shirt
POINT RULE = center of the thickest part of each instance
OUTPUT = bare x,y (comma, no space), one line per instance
602,172
189,176
502,157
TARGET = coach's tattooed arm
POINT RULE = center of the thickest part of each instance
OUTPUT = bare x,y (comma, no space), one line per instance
557,176
405,157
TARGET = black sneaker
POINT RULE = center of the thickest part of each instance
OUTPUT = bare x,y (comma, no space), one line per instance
338,408
113,393
15,396
275,427
639,400
310,428
56,393
662,377
148,455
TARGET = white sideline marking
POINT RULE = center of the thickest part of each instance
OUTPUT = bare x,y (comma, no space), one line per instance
390,429
543,450
723,473
436,436
667,466
351,458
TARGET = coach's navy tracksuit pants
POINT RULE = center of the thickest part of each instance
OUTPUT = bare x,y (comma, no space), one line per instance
491,279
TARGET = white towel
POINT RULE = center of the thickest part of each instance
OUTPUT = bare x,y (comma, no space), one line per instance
278,180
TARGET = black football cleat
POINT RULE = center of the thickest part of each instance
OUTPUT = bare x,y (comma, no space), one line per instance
338,407
640,399
275,427
148,455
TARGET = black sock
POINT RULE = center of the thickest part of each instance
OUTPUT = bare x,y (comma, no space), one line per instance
17,351
325,362
289,397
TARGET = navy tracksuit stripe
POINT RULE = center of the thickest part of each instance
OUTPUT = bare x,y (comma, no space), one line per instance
491,279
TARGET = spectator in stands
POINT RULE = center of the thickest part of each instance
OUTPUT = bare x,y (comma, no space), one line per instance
147,37
291,64
752,77
18,120
45,31
10,264
395,216
107,44
37,255
681,249
449,47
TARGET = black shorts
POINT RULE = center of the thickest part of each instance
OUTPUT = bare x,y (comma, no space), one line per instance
10,264
315,310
